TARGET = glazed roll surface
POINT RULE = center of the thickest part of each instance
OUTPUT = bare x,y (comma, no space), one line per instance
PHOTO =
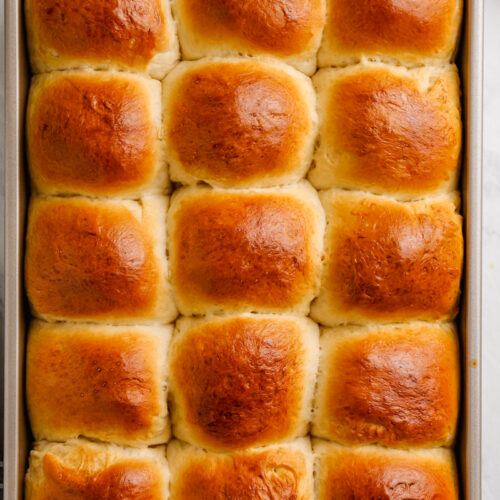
252,250
388,261
242,381
395,385
388,130
369,472
98,260
411,32
95,133
289,30
278,471
81,469
98,381
133,35
238,122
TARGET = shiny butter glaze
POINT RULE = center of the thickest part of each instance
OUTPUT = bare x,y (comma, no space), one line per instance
378,475
423,26
393,260
87,260
132,480
126,31
266,475
92,132
232,123
241,250
282,27
239,382
84,383
395,136
394,387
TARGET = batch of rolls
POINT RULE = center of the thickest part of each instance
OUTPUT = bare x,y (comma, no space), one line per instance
174,249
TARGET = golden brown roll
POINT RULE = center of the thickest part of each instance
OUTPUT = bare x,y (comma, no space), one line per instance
388,261
404,31
238,122
135,35
98,381
95,133
98,260
80,469
278,471
369,472
242,381
286,29
388,130
235,251
396,385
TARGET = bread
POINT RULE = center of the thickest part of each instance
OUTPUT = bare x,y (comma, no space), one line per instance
278,471
398,31
242,381
95,133
388,261
396,385
134,35
369,472
98,260
388,130
244,250
254,250
98,381
238,122
289,30
80,469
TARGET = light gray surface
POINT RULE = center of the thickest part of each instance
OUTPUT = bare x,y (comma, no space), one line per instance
491,245
491,255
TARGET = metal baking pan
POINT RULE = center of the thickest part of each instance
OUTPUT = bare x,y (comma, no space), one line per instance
17,437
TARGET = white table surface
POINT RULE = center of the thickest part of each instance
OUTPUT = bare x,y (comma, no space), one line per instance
491,255
491,246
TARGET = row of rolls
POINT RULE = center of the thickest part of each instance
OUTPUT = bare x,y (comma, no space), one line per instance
243,279
241,391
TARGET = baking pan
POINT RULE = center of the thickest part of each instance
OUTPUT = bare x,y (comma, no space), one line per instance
16,313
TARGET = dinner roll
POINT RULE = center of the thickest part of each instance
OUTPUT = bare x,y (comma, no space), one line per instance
254,250
238,122
135,35
413,32
397,385
95,133
370,472
389,261
278,471
98,381
98,260
286,29
388,130
242,381
81,469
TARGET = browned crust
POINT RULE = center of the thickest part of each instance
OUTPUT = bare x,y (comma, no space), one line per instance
83,259
127,31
